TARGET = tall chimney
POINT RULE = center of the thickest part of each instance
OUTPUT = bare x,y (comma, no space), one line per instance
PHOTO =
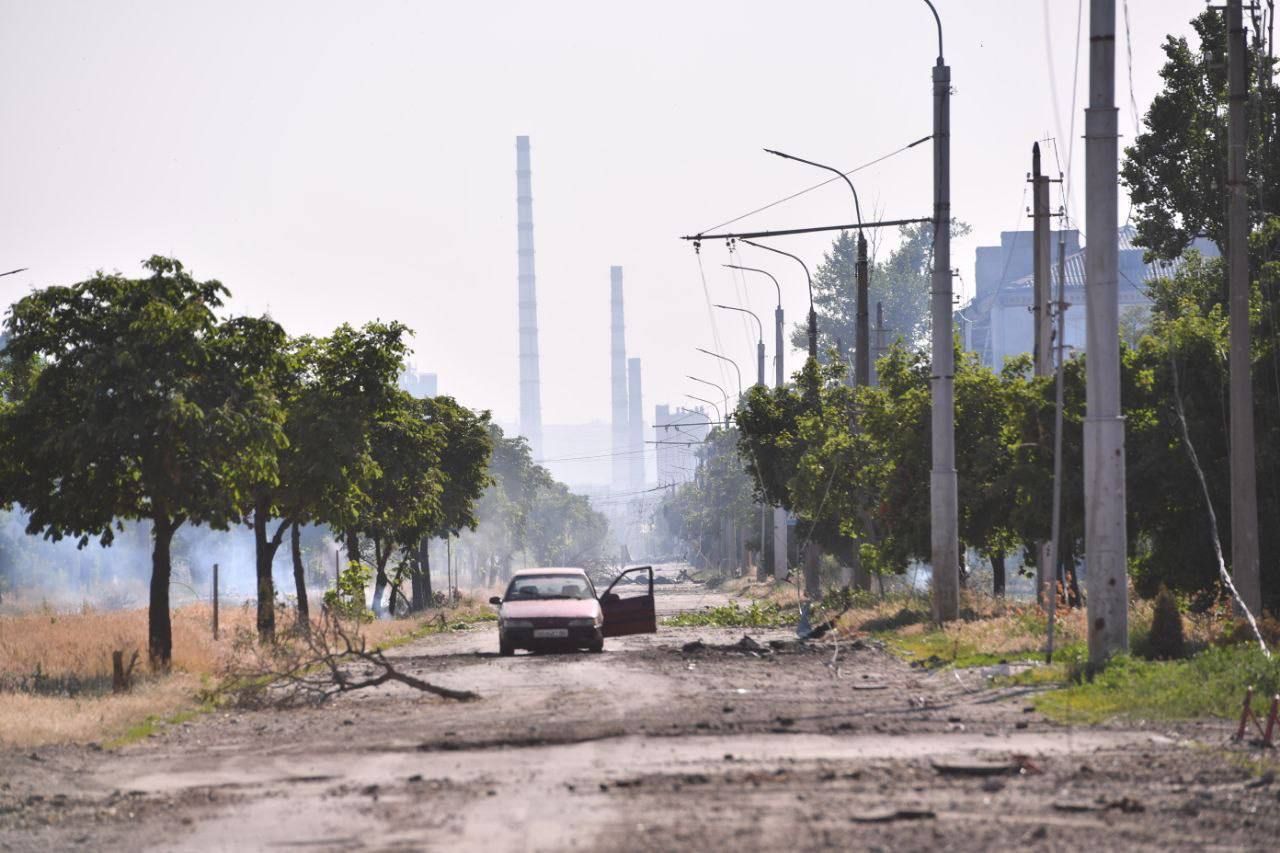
530,390
635,428
618,375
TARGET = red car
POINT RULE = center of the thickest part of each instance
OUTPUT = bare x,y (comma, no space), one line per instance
559,609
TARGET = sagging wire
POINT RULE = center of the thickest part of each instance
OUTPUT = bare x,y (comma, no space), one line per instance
866,165
1208,502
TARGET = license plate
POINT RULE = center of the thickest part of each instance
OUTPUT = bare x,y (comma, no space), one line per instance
550,633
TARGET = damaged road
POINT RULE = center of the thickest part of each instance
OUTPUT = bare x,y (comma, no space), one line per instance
693,738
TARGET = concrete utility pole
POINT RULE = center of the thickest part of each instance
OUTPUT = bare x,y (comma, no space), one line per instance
1104,517
944,523
1041,253
779,514
1244,485
879,351
1043,319
1055,524
862,355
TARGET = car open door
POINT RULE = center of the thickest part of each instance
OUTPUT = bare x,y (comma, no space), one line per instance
630,611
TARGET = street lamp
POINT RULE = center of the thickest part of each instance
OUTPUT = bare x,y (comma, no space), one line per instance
719,416
725,358
777,323
724,418
862,355
759,342
813,315
779,555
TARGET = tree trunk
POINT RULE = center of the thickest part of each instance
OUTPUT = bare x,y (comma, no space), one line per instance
997,574
299,580
1067,573
159,628
379,578
420,583
812,578
265,553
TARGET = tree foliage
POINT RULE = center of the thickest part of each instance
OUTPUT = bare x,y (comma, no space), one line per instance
144,406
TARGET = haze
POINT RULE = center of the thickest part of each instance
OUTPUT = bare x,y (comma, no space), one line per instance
336,162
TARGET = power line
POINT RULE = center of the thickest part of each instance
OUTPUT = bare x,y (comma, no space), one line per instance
866,165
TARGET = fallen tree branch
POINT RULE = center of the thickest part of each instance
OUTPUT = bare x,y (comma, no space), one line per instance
312,669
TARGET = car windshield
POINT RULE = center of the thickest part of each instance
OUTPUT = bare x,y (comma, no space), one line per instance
535,587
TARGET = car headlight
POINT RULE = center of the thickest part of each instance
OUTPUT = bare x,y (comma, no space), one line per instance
517,623
582,623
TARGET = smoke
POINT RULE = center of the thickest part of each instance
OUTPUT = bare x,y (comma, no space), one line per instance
36,572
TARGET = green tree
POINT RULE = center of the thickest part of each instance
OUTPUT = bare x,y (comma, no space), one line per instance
1176,169
144,407
901,283
464,466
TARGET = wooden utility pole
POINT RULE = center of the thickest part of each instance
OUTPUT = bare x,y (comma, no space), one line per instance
1104,516
1043,329
1244,485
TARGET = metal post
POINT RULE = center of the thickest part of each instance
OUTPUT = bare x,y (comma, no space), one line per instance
944,517
215,601
862,355
1244,486
1104,521
1042,332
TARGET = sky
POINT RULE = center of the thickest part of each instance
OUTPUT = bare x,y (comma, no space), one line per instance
340,162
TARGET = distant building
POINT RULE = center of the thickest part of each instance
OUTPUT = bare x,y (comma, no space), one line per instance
418,384
678,435
997,323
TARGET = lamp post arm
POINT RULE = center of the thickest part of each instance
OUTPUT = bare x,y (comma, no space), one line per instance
759,325
802,264
762,272
857,207
725,358
937,21
719,416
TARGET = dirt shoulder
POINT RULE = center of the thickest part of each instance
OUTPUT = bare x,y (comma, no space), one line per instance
649,746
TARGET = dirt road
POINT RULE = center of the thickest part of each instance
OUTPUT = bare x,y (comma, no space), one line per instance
647,747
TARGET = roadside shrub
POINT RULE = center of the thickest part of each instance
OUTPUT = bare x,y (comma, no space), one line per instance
347,601
767,615
1166,640
1239,631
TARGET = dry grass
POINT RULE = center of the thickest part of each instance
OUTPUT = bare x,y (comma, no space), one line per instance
28,720
1002,628
72,654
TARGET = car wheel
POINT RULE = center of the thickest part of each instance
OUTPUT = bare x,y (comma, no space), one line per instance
596,647
505,649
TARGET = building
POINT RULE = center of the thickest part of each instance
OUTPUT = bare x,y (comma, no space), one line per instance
417,383
677,436
998,323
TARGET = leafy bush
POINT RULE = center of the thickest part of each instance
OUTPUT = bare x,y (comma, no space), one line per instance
1165,641
348,599
767,615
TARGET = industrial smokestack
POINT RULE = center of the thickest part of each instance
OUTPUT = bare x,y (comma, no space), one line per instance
618,377
635,429
530,385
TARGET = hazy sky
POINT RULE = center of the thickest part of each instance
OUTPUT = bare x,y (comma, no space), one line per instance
336,162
